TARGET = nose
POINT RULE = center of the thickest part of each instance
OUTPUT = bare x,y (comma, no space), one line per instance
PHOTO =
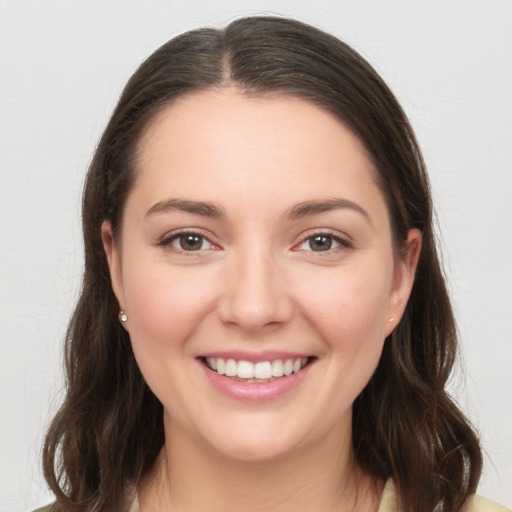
255,295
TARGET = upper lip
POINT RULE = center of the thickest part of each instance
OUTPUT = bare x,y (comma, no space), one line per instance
255,357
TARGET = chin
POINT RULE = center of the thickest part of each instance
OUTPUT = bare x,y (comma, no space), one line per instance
254,444
253,452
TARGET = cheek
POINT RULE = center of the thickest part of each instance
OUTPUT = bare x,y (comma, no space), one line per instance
347,309
165,308
165,305
349,299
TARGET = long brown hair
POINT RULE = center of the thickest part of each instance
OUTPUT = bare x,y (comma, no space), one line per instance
109,429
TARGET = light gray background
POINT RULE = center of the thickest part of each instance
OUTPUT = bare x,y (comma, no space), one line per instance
62,66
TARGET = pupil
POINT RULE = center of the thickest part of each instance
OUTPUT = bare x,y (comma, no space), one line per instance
320,243
191,242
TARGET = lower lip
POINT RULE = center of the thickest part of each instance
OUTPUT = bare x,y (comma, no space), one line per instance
255,391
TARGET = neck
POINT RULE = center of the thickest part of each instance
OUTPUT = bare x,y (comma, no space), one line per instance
190,476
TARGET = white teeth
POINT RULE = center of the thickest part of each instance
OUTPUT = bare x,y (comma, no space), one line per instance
264,370
277,368
245,370
231,368
288,367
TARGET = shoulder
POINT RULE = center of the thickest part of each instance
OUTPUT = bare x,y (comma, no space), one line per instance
480,504
474,504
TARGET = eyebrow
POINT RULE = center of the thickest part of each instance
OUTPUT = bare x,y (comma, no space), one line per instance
208,209
321,206
202,208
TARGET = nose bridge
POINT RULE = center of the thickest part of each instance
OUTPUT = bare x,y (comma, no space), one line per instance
255,294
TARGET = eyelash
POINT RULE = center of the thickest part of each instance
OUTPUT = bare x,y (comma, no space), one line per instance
343,243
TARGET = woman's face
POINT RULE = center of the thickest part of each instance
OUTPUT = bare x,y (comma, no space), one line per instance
256,243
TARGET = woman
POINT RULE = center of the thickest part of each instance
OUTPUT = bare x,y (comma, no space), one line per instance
263,322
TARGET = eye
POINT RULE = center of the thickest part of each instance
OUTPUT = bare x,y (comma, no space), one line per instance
319,243
187,242
190,242
322,242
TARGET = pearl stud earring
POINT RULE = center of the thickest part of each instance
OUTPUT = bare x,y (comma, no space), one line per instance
123,317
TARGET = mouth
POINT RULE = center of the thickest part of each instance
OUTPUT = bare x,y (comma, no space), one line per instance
260,372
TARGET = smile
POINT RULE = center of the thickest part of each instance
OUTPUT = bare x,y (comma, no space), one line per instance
260,372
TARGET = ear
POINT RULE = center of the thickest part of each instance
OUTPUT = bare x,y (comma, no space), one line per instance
114,261
403,278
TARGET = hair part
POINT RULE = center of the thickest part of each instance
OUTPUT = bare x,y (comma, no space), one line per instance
109,430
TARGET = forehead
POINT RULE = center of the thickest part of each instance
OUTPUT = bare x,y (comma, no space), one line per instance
227,144
234,116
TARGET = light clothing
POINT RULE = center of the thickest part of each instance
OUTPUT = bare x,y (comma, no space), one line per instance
475,504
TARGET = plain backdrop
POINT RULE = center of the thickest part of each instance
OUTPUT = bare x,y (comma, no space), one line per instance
62,66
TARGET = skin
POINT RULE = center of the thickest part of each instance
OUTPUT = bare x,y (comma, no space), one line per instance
257,283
